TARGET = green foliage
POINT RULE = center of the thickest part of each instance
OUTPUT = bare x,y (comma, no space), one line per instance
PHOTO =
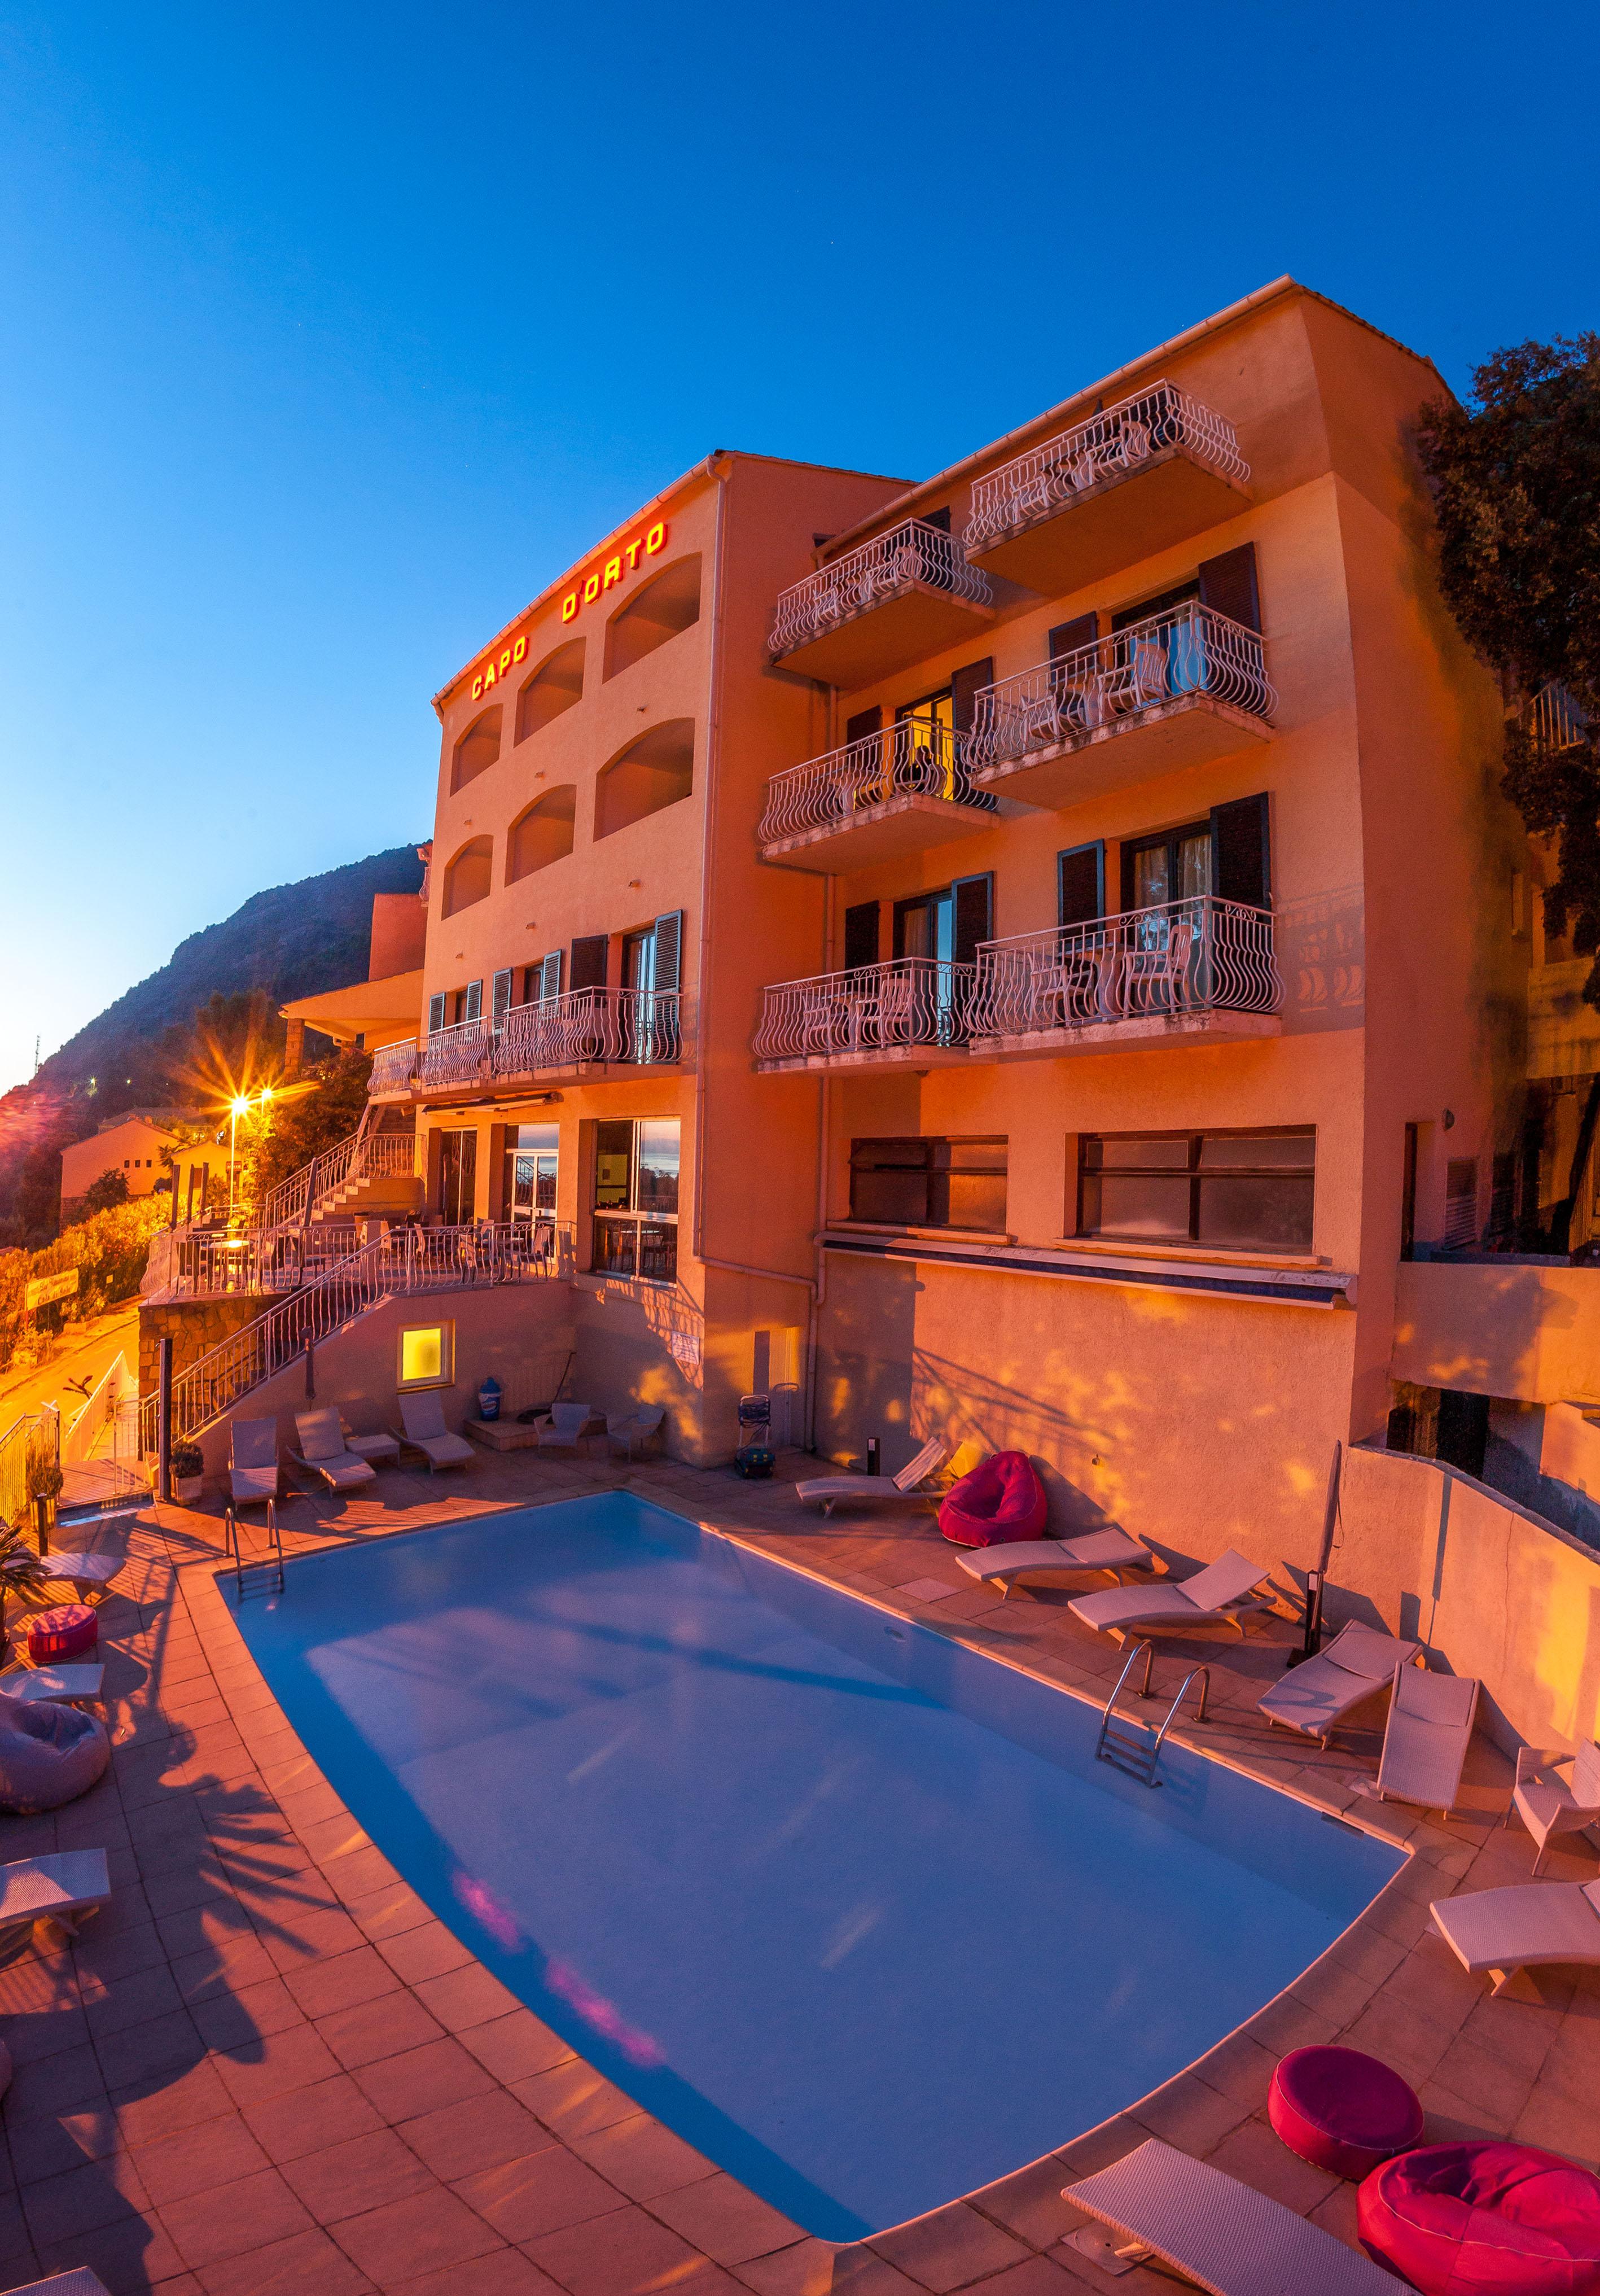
21,1569
109,1249
305,1125
1516,484
102,1194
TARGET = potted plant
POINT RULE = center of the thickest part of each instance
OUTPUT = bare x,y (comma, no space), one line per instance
188,1473
22,1572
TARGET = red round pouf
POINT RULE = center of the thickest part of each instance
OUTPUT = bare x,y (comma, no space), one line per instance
1485,2216
1001,1501
61,1633
1343,2111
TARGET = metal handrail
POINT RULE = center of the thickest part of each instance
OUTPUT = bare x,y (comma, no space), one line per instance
1205,1674
230,1537
912,1000
909,554
641,1026
909,759
1199,956
1116,1688
1118,440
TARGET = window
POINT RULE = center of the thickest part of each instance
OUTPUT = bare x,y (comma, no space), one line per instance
543,834
666,604
929,1183
1234,1190
636,1198
554,686
1460,1202
427,1355
531,1167
653,772
467,878
1176,866
458,1177
476,750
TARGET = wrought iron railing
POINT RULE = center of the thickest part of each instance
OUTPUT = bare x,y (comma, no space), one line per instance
909,759
458,1055
643,1025
407,1261
363,1156
912,553
1197,955
1121,438
1117,680
1554,721
913,1000
392,1067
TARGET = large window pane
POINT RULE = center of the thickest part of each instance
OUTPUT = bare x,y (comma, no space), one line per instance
613,1167
1135,1205
896,1197
659,1153
614,1247
657,1252
1288,1151
977,1200
1270,1213
1168,1155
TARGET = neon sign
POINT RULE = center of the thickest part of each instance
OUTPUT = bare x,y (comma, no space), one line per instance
604,577
494,670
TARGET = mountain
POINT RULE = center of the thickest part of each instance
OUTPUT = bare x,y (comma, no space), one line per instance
292,941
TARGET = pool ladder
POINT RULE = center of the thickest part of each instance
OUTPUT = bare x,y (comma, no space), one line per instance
1133,1747
263,1575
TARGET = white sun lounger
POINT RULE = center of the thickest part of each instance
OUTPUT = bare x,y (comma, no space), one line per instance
1316,1697
378,1450
1213,1598
80,2282
1549,1804
253,1461
1431,1719
1094,1550
1222,2235
827,1490
422,1421
323,1451
1522,1927
61,1887
85,1574
58,1685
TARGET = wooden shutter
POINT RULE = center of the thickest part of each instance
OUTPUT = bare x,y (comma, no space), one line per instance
1240,852
860,936
965,688
865,722
973,920
1066,638
1227,585
475,1001
1080,883
587,968
1128,851
550,976
502,996
435,1013
669,951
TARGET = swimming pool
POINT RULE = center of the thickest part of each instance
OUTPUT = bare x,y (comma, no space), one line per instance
850,1908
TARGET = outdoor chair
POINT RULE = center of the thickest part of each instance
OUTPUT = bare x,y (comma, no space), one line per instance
89,1575
631,1427
323,1452
567,1426
1217,1596
66,1888
422,1429
1096,1550
1315,1697
1430,1728
1504,1931
56,1685
253,1461
1549,1804
912,1482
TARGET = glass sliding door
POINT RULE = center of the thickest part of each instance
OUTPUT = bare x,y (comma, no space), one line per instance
458,1177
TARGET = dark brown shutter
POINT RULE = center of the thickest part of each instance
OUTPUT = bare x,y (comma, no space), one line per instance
435,1013
860,936
1227,585
965,688
1127,877
1066,638
974,918
1080,883
1240,864
588,966
863,723
669,952
939,518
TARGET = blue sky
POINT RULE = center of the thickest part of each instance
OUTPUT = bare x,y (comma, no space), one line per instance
334,333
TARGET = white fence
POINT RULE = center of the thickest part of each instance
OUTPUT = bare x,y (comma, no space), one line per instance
1120,438
910,554
912,1000
909,759
1197,955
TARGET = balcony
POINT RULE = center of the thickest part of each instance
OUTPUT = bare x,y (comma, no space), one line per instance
1189,970
1172,691
909,1013
903,595
584,1030
898,791
392,1067
1135,479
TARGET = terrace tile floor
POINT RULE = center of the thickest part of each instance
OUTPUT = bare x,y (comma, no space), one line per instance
267,2068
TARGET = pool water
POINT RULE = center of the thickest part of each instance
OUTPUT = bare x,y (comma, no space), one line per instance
851,1909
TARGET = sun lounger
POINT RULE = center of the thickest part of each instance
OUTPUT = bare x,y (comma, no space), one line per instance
422,1429
85,1574
253,1461
1317,1696
1213,1598
1522,1927
323,1451
58,1685
566,1424
63,1888
827,1490
1549,1804
378,1450
1430,1728
1222,2235
1096,1550
80,2282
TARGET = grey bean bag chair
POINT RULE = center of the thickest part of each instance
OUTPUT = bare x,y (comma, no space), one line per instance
48,1754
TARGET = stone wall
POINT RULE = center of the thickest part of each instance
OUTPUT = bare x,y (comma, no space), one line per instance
194,1326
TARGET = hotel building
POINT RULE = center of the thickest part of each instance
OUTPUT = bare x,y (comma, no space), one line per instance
1028,955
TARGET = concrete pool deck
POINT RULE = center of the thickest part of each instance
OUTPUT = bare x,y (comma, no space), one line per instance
267,2068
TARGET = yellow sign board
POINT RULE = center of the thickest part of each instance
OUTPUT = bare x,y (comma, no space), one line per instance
45,1288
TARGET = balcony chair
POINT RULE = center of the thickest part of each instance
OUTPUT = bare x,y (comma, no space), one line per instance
887,1015
631,1427
1156,980
825,1020
1549,1804
1140,681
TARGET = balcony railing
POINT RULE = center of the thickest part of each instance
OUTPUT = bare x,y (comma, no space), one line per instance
1194,957
1118,680
458,1055
1554,721
1109,445
909,759
589,1024
879,1008
911,554
392,1069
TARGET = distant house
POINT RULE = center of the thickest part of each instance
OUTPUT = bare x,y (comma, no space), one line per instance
135,1143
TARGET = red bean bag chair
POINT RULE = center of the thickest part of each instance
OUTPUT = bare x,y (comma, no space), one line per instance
61,1633
1002,1500
1481,2217
1343,2111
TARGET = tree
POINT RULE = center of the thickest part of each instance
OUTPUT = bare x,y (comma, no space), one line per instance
110,1188
304,1124
1516,475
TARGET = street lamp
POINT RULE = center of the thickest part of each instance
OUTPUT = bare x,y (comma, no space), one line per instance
240,1106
